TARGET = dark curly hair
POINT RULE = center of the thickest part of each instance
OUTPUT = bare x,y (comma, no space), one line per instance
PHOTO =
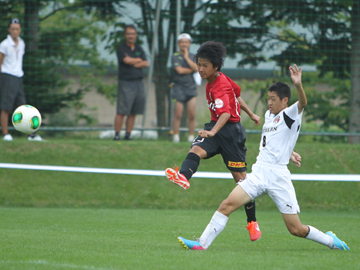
213,51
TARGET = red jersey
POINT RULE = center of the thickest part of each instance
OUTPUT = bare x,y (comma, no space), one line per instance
221,96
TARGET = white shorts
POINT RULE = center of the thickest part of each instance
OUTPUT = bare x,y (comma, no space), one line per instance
275,180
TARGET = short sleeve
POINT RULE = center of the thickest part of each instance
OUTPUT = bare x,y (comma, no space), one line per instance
143,55
175,62
236,88
120,54
293,111
2,48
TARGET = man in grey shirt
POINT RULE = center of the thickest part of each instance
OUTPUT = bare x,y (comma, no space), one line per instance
184,87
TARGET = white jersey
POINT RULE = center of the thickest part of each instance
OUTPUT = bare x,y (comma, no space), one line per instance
279,135
13,60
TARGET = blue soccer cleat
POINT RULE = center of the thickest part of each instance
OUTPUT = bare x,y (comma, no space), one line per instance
188,244
338,244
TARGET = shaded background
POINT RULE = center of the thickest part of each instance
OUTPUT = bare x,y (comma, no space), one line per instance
70,62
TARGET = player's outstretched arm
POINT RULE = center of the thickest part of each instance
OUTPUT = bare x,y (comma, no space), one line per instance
295,74
246,109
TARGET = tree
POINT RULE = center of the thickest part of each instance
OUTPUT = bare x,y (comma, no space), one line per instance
146,28
329,39
256,31
54,41
251,28
167,35
355,73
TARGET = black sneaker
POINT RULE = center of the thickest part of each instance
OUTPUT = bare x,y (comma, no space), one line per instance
117,138
127,139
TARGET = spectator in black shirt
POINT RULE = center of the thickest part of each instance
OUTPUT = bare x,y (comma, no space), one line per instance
131,93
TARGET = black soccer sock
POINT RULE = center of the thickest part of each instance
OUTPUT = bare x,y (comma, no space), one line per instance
127,135
117,133
250,211
190,165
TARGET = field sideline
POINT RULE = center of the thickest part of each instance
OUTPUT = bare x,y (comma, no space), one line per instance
216,175
30,188
45,238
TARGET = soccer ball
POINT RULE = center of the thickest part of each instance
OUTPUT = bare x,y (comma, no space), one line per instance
26,119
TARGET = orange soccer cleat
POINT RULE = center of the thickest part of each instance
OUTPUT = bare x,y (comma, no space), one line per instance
254,230
177,178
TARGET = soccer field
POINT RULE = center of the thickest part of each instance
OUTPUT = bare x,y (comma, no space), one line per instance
46,238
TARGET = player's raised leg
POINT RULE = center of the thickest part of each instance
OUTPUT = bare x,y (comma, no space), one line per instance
328,239
237,198
188,168
173,175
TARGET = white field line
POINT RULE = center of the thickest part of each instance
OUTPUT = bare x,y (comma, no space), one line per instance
218,175
50,264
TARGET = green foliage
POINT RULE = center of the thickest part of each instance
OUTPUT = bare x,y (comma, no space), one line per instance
327,110
44,85
79,31
325,40
270,24
332,108
67,35
260,88
317,33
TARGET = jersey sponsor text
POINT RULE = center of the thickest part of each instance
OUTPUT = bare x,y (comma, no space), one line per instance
269,129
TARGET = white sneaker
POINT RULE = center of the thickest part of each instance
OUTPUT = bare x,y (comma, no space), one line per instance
191,138
176,138
7,137
36,138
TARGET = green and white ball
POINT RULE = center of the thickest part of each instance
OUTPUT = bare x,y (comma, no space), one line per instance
26,119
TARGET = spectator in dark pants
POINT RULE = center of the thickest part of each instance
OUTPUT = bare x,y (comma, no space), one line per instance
12,95
131,93
184,87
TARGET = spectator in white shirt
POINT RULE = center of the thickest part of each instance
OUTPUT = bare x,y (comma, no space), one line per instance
12,95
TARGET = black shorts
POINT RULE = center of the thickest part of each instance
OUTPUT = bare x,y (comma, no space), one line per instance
182,94
11,92
131,97
229,142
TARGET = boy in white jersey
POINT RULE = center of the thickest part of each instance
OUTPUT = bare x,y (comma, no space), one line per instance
270,174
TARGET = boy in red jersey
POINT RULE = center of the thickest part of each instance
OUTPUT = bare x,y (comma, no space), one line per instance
224,134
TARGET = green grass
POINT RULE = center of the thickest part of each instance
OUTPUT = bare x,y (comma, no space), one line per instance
29,188
35,238
63,220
